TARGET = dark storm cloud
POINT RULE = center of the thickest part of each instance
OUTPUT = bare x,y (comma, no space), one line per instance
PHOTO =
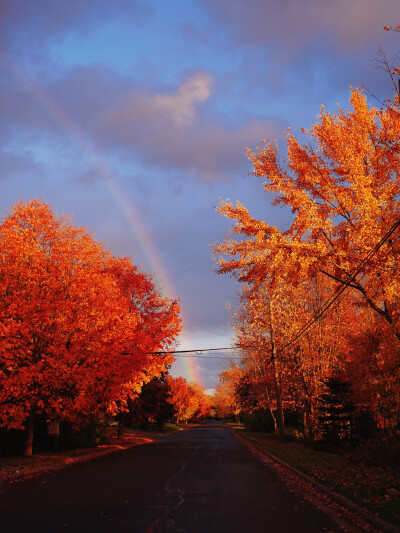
310,47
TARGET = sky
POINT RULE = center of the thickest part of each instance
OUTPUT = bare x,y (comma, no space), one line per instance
133,117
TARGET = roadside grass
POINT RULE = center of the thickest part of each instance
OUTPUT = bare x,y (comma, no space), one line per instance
153,430
169,428
16,468
373,487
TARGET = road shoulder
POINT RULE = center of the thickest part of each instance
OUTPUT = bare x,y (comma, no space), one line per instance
319,494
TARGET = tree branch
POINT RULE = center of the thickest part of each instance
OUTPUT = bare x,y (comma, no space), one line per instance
340,280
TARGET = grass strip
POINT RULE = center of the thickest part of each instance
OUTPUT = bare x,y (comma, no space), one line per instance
373,487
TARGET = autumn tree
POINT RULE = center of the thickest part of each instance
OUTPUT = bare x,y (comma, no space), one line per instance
151,406
155,331
342,187
202,402
287,375
71,340
370,351
188,399
226,398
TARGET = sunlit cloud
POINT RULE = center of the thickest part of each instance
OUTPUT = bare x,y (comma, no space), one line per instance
170,130
180,106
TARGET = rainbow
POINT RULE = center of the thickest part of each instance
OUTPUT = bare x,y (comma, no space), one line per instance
136,227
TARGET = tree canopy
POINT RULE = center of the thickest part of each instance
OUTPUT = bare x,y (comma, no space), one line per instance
342,188
322,295
76,323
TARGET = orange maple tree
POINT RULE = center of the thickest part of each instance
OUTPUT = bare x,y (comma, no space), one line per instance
155,331
368,366
73,341
291,374
342,188
188,399
225,399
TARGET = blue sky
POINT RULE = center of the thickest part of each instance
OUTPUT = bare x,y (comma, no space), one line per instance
133,117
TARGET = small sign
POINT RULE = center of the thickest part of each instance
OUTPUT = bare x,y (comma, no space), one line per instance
53,429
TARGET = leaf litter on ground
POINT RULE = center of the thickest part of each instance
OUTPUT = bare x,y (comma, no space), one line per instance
374,487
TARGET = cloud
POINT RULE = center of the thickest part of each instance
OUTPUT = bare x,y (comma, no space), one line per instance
178,129
180,106
175,130
291,25
14,165
177,108
33,23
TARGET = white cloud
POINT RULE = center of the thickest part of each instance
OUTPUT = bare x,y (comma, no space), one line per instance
178,109
181,104
170,130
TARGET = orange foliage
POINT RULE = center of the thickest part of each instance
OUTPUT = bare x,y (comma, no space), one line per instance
369,367
75,323
188,399
226,401
342,187
291,375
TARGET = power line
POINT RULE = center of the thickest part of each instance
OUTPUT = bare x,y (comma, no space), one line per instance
199,356
345,284
198,352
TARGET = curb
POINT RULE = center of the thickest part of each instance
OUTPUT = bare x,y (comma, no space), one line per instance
345,503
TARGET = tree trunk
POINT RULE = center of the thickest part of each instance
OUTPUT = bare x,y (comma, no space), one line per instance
29,432
271,410
307,421
279,407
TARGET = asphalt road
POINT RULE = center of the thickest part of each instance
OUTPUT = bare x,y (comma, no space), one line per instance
198,480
